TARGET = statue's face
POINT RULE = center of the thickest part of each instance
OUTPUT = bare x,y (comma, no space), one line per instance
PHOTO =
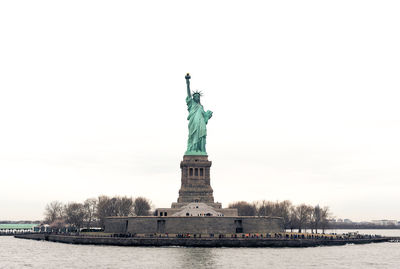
196,98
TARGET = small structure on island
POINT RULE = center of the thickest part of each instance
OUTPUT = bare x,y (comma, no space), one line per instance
195,211
17,228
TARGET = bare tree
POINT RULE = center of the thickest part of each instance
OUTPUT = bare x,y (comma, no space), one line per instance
293,218
282,209
57,225
90,206
303,214
115,206
75,214
125,206
142,206
104,209
325,215
316,218
244,208
265,208
53,211
277,209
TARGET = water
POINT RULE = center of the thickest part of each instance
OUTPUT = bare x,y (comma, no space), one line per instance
21,253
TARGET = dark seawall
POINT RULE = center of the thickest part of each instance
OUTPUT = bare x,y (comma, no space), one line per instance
198,242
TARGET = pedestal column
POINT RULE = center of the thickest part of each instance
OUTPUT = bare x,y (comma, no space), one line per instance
195,181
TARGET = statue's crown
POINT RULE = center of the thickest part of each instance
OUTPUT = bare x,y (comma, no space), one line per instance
197,92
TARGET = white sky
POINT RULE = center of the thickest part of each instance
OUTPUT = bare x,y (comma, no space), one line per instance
305,96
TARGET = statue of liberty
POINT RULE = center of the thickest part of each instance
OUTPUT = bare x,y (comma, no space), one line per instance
198,120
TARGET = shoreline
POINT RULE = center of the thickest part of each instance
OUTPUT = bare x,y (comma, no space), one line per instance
198,242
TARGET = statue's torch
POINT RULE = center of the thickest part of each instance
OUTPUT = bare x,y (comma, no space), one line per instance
187,77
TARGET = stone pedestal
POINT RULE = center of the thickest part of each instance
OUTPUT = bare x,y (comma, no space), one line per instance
195,182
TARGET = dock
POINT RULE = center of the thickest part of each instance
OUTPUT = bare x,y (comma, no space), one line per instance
276,242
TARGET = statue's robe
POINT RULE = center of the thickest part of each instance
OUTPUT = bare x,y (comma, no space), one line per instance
198,119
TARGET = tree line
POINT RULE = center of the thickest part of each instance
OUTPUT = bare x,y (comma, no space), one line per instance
94,211
294,216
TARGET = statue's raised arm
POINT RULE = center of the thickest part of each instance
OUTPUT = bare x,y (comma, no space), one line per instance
187,77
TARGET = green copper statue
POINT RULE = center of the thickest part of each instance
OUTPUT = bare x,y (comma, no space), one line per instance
198,119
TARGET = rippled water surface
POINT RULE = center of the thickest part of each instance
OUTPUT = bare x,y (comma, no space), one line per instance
22,253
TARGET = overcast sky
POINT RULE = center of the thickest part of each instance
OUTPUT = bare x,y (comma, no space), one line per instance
305,96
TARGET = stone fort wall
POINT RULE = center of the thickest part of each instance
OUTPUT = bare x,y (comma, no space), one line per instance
193,225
